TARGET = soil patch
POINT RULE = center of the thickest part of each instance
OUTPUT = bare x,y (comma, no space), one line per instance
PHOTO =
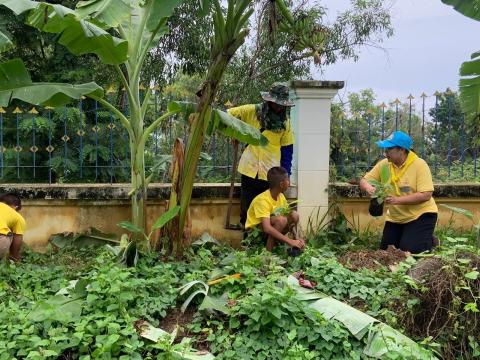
175,318
372,259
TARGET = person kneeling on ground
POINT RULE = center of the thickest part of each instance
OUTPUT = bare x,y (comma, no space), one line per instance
412,212
12,227
261,212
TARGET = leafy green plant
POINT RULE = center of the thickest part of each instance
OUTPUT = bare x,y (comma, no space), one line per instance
287,209
383,188
468,214
127,251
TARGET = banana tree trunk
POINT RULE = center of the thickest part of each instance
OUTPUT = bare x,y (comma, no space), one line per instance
137,158
194,145
138,197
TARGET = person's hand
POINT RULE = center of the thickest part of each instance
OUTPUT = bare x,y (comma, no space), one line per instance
393,200
370,189
299,243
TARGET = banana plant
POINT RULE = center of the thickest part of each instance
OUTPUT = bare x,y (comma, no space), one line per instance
230,32
470,70
120,33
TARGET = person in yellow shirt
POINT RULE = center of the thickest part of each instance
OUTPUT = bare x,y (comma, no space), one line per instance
12,226
265,206
271,118
412,212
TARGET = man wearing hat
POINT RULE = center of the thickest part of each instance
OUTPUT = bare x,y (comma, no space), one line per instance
412,212
270,117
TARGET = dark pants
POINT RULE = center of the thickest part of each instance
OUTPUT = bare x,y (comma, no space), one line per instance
415,236
250,188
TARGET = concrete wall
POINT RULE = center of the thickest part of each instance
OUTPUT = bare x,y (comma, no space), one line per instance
77,207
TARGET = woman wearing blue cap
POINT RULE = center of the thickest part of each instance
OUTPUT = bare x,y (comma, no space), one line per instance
412,212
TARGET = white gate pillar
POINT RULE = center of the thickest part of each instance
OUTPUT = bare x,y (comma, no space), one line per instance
311,122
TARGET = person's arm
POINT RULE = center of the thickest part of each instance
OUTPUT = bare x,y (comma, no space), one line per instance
277,235
411,199
286,154
16,247
286,148
367,187
373,174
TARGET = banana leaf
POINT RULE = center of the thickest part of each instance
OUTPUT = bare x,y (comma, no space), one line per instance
15,83
111,13
91,237
381,337
458,210
470,70
182,350
384,174
78,36
470,85
468,8
5,42
225,123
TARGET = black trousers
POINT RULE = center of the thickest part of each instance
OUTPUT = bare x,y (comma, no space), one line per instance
415,236
250,188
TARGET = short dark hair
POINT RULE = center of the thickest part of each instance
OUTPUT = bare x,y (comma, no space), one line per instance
276,175
11,199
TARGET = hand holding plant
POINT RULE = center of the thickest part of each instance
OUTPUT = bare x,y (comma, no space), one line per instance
382,188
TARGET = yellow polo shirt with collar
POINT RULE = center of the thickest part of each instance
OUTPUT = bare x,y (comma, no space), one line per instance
263,206
417,178
259,159
10,220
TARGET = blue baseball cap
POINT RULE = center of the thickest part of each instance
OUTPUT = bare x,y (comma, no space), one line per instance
398,138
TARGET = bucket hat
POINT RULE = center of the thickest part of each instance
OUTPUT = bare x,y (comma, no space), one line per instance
278,94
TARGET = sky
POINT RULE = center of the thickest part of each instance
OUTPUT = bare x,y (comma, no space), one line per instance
431,40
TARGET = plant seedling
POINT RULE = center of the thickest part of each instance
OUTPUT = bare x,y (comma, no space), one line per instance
383,187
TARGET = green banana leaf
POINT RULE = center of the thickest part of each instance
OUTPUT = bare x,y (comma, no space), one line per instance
464,212
357,322
468,8
230,126
225,123
382,338
183,350
160,11
5,42
470,70
470,85
384,174
15,83
165,218
78,36
108,12
91,237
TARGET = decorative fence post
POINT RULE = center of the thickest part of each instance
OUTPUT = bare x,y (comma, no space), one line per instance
311,121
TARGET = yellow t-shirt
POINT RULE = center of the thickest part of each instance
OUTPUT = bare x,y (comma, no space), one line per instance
417,178
10,221
259,159
263,206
